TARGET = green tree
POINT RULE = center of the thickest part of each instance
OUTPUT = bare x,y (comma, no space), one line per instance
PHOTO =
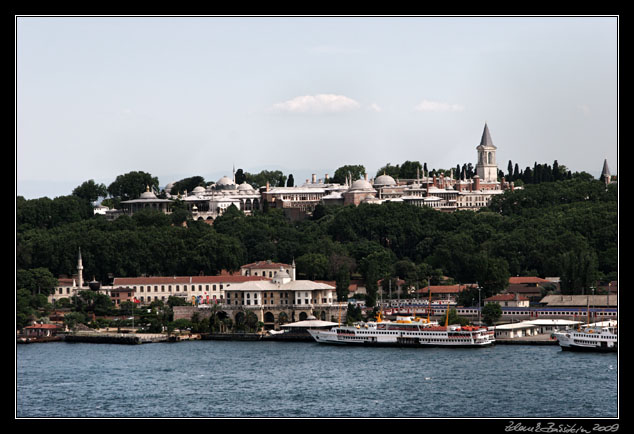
187,184
313,266
342,173
131,185
491,313
410,170
275,178
90,191
388,169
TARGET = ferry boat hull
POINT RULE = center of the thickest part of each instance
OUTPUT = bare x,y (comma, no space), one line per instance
348,337
604,341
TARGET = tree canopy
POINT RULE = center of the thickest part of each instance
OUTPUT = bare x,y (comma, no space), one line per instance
567,228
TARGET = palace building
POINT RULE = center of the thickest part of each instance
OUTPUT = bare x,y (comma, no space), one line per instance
440,192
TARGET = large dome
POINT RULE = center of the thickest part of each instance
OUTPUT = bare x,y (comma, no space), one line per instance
361,184
384,180
225,183
244,186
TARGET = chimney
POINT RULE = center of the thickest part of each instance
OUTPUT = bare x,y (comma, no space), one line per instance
314,178
476,182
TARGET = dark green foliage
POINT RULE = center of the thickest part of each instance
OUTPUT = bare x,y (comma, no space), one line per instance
567,228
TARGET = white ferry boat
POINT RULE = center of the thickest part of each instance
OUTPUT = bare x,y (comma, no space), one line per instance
589,338
405,331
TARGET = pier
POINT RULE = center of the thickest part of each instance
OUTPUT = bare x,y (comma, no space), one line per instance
118,338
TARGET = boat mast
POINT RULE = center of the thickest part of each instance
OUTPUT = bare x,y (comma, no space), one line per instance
447,317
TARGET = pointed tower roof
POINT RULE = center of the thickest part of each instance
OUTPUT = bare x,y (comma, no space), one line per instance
606,169
486,141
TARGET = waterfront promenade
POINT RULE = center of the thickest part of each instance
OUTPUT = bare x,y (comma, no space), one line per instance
108,337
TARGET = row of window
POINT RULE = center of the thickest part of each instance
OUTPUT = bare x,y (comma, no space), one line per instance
177,287
149,288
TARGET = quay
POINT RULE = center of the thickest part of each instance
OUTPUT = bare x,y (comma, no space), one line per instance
283,337
126,338
543,339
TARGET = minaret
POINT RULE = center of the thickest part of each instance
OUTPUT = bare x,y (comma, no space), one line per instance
80,269
293,270
487,168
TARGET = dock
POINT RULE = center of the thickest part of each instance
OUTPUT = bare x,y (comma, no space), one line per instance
121,338
543,339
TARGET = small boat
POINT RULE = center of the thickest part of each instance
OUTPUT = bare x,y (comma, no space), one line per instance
592,337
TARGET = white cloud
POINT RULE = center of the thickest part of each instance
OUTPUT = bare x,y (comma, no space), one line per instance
436,106
375,107
321,103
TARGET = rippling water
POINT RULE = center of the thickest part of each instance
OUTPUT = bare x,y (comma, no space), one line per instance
281,379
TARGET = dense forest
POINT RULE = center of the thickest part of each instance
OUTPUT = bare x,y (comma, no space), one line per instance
563,226
566,228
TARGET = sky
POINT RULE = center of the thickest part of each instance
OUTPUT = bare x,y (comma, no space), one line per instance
181,96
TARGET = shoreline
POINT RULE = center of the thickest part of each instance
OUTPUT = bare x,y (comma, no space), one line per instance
143,338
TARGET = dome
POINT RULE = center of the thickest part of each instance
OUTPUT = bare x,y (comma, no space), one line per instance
198,190
147,194
384,180
361,184
225,183
245,186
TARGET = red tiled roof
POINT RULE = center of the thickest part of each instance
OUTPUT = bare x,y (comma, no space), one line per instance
265,264
505,297
42,326
181,280
226,279
444,289
526,279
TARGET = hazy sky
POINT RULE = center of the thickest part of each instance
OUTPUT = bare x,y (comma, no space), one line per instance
97,97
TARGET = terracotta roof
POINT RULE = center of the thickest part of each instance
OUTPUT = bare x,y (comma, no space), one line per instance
444,289
506,297
226,279
524,289
265,264
182,280
527,279
42,326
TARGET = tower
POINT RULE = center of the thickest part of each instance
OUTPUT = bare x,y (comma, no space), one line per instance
605,173
80,269
487,168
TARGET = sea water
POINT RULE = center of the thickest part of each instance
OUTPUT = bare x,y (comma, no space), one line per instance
219,379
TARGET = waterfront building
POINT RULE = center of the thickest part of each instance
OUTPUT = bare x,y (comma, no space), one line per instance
195,289
281,299
516,330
